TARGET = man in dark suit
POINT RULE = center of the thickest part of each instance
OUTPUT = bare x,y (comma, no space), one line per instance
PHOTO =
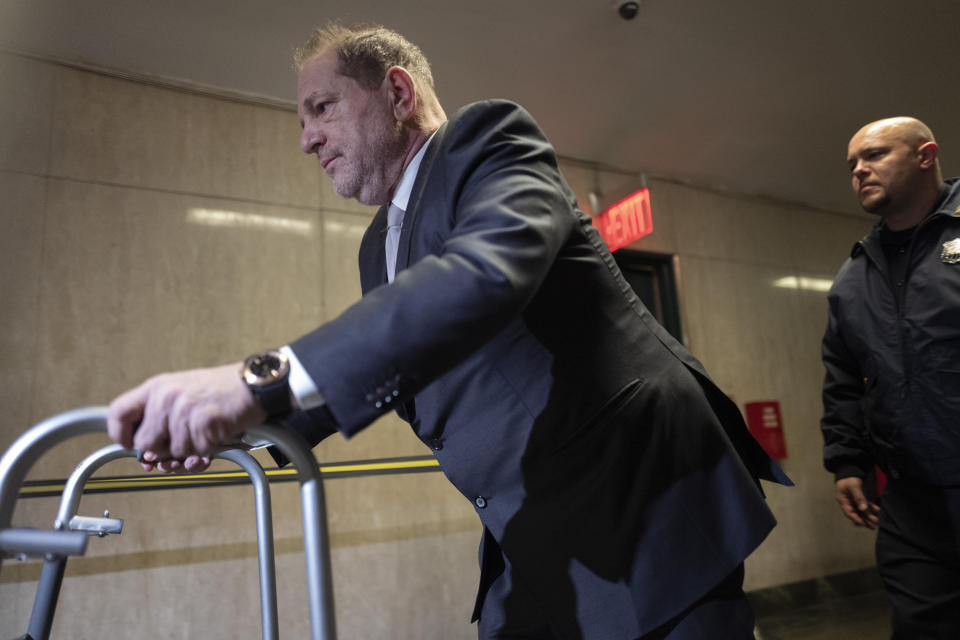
617,486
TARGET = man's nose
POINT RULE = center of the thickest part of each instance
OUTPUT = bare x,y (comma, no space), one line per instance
311,139
859,170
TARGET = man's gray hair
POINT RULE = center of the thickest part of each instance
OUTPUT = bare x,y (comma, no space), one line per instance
365,53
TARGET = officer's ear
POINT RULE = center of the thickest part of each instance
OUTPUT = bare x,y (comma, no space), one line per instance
927,153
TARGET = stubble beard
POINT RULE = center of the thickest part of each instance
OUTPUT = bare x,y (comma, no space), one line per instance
369,178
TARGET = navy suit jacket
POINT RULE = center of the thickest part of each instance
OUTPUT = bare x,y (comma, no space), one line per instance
620,483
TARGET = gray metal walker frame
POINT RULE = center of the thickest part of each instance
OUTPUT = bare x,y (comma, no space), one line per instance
70,533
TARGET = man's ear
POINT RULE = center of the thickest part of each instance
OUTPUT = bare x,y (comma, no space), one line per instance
402,93
927,153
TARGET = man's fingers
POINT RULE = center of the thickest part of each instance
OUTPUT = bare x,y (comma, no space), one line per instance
171,465
862,517
854,504
183,414
851,513
125,414
151,436
150,460
181,439
190,464
153,433
865,508
856,495
196,464
870,515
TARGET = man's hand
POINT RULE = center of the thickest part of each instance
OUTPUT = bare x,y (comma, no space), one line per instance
186,416
853,502
191,464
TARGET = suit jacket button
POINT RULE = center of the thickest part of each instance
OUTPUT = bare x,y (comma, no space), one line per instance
436,444
481,502
379,404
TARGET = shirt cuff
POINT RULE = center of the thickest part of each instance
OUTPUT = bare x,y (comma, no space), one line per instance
302,386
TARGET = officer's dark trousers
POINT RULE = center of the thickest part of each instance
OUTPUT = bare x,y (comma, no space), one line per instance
918,555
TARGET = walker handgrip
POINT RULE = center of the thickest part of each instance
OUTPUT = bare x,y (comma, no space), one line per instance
39,542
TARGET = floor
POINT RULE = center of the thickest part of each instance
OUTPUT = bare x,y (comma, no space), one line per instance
845,607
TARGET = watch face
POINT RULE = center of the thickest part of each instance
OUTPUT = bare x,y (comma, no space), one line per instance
265,368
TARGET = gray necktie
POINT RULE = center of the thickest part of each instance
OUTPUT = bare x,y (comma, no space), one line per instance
394,222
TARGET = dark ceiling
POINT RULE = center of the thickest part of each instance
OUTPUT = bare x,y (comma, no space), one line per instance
758,97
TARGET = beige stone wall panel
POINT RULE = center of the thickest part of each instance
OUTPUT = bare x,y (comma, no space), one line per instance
121,132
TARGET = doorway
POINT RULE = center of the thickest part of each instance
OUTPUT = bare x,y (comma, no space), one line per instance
652,278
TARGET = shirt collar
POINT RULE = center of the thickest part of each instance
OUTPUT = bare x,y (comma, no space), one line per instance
401,197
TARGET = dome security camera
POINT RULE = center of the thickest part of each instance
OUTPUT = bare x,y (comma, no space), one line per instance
628,10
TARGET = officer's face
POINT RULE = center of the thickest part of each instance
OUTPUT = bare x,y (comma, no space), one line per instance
884,168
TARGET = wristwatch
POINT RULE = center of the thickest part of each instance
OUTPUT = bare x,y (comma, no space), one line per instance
266,375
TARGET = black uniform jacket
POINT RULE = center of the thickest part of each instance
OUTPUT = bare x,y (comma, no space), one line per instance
891,393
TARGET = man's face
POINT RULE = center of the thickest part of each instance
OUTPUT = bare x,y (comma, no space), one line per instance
884,168
352,131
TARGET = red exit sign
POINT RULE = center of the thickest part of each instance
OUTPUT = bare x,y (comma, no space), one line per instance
628,220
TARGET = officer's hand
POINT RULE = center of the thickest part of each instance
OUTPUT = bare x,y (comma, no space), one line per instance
855,506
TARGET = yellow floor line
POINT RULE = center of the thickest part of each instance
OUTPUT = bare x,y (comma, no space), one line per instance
174,480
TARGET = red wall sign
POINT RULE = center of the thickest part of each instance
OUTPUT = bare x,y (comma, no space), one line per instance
763,419
628,220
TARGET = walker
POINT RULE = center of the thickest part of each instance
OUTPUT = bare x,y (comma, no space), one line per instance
70,531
